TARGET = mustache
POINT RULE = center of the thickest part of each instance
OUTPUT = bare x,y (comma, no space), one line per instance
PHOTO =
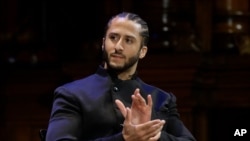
118,54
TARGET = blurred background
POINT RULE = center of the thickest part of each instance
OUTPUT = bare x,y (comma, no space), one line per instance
198,49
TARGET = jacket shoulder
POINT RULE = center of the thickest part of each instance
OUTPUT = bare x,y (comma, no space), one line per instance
160,97
82,85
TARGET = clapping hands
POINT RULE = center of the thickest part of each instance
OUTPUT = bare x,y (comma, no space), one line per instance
138,125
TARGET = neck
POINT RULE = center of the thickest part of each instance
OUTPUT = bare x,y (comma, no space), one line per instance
124,75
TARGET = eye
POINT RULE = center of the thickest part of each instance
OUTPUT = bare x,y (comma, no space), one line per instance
129,40
113,37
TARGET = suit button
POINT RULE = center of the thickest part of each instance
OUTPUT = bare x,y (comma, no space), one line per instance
115,89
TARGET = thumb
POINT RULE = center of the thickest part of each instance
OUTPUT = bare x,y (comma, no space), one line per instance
128,116
121,107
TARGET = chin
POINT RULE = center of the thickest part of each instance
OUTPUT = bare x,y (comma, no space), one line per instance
116,66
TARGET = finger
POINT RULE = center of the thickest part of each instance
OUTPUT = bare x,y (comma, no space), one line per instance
139,98
156,137
137,90
136,97
157,127
154,125
127,124
156,133
150,128
121,107
149,124
150,101
137,102
128,117
154,130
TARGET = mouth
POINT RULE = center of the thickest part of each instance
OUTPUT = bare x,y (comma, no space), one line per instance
117,56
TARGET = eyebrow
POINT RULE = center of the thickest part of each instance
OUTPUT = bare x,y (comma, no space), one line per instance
128,36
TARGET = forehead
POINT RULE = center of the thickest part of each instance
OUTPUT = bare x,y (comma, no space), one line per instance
122,25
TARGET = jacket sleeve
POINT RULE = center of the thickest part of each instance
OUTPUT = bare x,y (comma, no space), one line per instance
66,121
174,129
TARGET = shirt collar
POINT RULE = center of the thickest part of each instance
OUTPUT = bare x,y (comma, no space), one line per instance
104,72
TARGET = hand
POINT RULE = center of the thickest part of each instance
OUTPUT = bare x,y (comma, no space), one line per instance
148,131
140,108
141,112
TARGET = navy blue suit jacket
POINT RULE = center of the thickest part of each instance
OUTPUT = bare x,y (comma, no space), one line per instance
85,109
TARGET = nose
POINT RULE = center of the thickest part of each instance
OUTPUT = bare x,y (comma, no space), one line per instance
119,46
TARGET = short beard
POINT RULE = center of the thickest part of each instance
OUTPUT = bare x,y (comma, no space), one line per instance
125,67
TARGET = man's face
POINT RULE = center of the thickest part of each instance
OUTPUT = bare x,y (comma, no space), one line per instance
122,44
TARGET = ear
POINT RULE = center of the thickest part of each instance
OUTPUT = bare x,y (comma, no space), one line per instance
143,52
103,42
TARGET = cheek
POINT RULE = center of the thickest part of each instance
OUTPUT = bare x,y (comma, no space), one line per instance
109,45
131,53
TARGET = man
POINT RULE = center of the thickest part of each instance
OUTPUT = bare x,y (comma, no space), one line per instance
114,104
